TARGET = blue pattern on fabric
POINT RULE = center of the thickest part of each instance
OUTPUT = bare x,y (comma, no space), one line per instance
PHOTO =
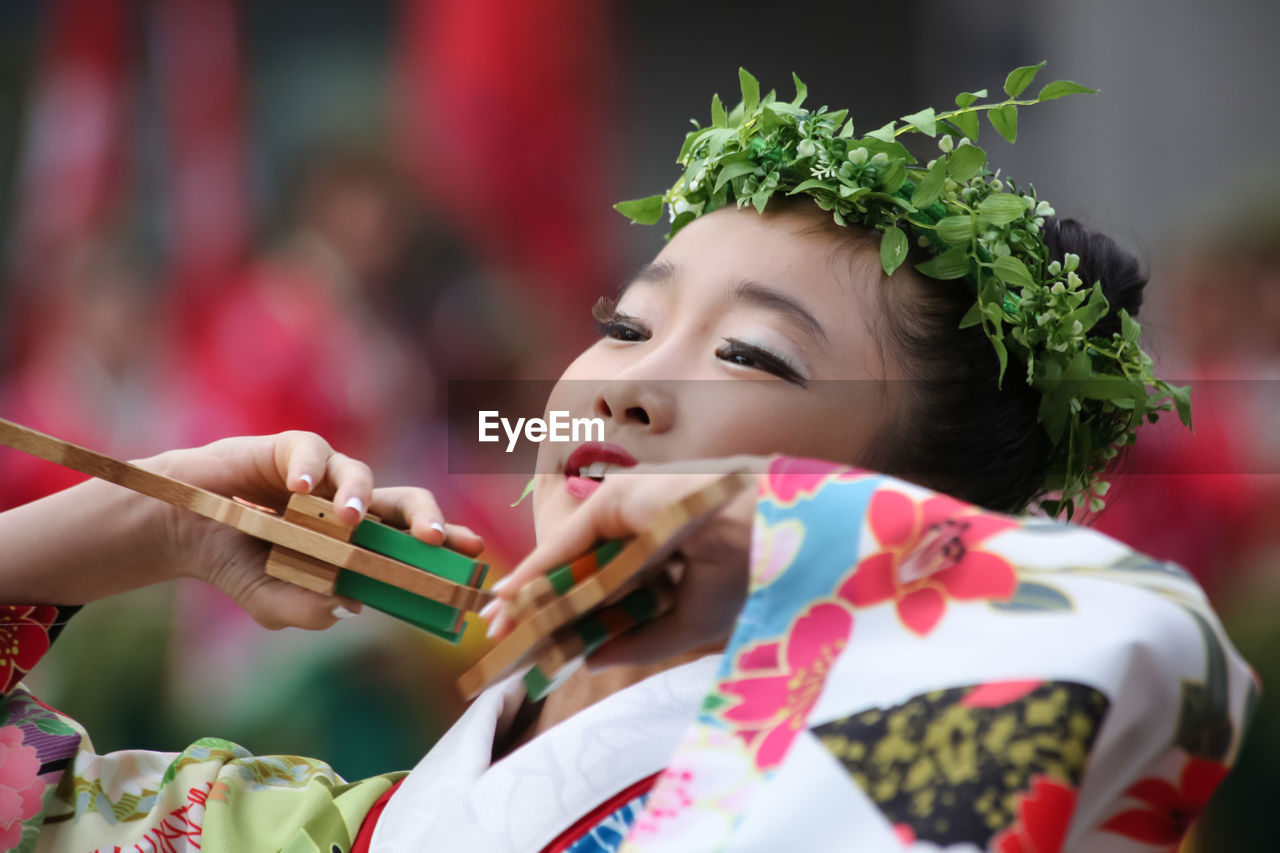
832,536
608,834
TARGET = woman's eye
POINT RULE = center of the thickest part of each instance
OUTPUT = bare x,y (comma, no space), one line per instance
736,352
612,324
621,329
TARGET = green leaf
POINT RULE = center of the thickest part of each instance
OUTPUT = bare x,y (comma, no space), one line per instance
964,162
1020,78
645,211
802,91
1002,354
1129,328
930,187
957,229
884,134
972,317
1005,121
1012,271
953,263
718,116
1062,88
925,121
965,99
1034,597
966,123
691,139
1181,395
812,184
846,132
734,170
893,176
893,249
1001,208
750,91
761,198
681,221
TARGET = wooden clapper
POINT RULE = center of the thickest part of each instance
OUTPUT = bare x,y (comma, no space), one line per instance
559,619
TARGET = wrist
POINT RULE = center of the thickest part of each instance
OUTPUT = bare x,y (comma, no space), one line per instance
169,528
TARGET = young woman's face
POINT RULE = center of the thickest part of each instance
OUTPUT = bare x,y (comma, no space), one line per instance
747,334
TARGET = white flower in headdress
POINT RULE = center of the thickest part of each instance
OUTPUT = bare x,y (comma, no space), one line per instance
678,205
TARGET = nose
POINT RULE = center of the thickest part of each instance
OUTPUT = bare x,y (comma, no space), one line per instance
646,403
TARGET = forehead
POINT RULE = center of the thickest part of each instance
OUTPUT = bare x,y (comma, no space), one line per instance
799,253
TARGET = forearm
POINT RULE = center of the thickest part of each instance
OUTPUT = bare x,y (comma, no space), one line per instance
84,543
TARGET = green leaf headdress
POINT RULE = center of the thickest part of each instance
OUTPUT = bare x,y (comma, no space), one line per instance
1095,391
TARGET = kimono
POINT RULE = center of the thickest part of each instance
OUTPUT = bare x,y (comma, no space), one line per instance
909,673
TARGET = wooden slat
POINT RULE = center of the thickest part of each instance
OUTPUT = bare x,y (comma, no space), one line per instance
645,553
257,524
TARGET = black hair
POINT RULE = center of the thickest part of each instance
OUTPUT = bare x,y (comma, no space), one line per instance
958,429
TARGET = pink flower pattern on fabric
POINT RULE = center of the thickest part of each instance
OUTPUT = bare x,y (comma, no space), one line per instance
21,790
901,525
791,478
774,706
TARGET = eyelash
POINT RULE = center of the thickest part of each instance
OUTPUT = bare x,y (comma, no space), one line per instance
765,360
611,324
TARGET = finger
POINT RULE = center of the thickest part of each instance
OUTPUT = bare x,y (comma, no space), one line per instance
597,518
301,457
352,483
277,604
411,508
463,539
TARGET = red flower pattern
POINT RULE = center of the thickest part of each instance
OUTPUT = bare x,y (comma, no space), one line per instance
774,705
1044,814
790,478
1167,812
902,526
21,790
24,638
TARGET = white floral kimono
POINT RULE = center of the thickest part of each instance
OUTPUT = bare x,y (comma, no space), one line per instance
909,673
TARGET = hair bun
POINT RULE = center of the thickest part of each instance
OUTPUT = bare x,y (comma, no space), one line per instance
1101,259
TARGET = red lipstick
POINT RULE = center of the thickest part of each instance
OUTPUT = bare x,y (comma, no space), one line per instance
585,455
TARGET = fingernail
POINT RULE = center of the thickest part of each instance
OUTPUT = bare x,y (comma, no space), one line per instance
341,612
496,624
488,610
435,525
500,583
306,478
356,504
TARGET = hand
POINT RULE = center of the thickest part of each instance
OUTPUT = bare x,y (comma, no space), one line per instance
264,470
714,558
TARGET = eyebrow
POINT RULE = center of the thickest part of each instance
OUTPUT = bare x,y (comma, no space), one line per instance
775,300
659,272
753,292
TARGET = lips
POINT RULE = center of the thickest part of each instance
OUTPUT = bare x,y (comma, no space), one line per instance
597,457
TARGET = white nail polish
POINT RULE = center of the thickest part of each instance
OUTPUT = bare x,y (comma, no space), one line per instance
489,609
306,478
435,525
341,612
500,583
356,504
493,629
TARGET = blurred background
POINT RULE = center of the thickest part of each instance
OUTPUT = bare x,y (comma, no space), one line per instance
222,217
